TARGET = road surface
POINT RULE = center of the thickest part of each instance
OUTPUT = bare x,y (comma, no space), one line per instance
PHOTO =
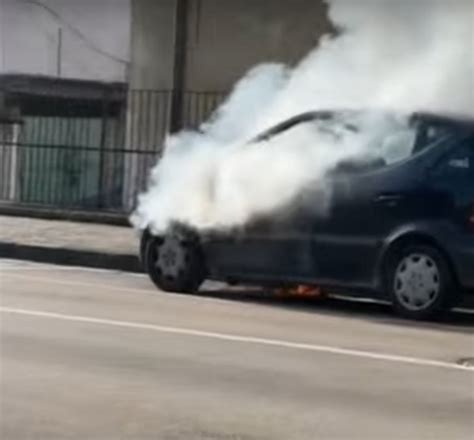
102,355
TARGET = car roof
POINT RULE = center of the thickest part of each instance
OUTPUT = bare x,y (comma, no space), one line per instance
442,119
430,117
433,117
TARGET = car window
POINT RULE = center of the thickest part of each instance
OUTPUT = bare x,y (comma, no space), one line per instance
403,139
458,164
398,145
430,133
406,141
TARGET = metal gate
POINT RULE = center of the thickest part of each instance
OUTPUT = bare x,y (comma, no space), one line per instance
86,155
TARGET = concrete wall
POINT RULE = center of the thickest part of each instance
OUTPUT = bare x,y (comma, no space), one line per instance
226,38
152,43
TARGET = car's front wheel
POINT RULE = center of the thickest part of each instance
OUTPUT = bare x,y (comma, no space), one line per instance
420,282
174,262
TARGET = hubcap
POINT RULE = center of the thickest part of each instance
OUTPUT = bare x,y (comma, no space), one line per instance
417,282
170,257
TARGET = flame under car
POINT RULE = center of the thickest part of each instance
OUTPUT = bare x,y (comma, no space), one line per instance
399,228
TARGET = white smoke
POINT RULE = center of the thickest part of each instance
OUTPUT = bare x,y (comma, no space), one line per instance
404,55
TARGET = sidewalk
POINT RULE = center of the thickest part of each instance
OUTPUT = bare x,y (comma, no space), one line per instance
69,243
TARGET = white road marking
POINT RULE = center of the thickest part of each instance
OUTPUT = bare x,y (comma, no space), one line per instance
240,338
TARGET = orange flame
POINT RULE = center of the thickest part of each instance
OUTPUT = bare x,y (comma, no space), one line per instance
301,291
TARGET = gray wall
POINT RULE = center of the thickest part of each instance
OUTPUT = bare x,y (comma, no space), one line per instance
152,43
224,39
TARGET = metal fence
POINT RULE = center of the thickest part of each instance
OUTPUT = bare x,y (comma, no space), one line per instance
84,155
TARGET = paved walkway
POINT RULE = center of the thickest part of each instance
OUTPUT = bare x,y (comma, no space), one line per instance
68,242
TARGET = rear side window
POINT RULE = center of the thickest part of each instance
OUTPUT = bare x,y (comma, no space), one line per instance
458,164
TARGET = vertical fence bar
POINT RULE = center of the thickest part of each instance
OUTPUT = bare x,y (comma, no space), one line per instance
100,178
14,161
156,121
55,176
4,161
82,160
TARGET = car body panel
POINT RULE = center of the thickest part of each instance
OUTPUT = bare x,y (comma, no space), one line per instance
346,245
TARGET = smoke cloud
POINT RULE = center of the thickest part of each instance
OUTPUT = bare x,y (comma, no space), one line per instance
402,56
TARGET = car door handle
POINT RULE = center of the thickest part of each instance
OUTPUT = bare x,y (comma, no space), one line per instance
388,199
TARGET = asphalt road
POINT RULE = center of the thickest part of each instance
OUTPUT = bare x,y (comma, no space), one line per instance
102,355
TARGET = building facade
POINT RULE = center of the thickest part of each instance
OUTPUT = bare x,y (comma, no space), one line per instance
82,39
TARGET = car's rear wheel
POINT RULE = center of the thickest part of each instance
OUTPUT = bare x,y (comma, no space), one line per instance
420,282
174,262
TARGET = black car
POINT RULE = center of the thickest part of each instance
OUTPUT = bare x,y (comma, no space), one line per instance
402,231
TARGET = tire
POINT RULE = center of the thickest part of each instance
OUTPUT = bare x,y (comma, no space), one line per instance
419,282
174,261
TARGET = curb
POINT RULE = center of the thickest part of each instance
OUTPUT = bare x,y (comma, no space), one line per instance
70,257
104,217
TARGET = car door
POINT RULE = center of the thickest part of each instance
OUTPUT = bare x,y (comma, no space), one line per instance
344,242
451,183
330,232
366,205
275,246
